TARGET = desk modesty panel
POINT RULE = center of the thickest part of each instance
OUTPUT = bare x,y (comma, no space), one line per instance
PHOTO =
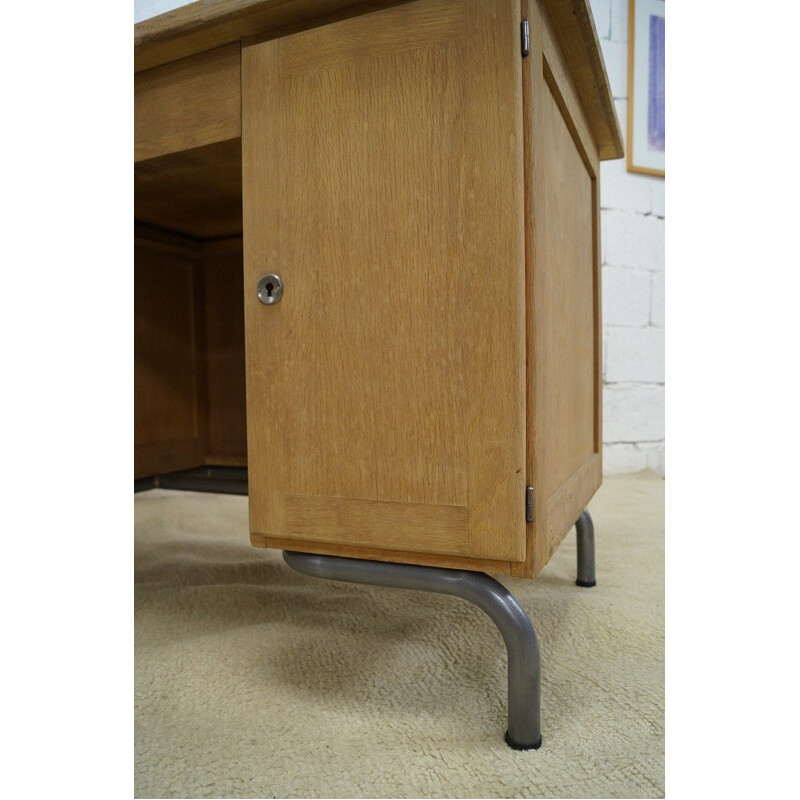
427,193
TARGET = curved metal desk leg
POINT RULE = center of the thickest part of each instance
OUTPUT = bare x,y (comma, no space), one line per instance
584,527
524,665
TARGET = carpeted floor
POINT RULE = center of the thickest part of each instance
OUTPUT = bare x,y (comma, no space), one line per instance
254,681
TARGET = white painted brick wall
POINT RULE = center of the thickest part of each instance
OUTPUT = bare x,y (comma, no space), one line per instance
632,230
631,239
601,11
657,300
626,296
634,355
633,413
632,253
619,20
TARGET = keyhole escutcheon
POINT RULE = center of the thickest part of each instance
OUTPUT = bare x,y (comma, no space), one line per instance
269,289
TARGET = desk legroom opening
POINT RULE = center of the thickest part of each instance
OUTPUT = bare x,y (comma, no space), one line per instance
189,385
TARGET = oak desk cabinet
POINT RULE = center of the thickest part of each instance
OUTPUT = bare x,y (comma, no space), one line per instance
423,178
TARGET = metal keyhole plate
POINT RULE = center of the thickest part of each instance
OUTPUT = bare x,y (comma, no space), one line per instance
270,289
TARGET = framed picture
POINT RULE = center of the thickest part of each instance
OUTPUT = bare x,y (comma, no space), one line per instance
646,86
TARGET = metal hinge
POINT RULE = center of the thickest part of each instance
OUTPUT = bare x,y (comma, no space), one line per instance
529,504
525,32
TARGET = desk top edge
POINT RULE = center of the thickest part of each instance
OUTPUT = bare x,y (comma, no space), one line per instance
207,24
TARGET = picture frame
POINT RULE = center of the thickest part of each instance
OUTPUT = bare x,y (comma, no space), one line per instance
646,119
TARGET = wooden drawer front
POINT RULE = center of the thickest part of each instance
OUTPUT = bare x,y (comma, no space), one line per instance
191,103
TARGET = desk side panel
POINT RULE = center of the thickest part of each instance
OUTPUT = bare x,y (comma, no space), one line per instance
563,287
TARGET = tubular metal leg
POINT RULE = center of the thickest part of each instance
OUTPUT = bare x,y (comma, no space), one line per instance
524,665
585,530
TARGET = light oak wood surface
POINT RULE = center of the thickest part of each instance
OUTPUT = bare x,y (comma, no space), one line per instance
575,32
403,556
422,527
563,286
378,378
431,200
224,353
169,379
190,103
207,24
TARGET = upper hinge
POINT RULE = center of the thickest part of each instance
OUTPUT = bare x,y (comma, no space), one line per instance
525,35
529,504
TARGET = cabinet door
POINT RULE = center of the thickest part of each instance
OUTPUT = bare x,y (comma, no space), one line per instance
382,181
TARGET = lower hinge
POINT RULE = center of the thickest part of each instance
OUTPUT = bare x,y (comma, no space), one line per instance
525,36
529,504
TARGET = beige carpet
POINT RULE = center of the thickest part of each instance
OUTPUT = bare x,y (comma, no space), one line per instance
254,681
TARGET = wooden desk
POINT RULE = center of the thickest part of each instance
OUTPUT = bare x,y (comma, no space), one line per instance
429,196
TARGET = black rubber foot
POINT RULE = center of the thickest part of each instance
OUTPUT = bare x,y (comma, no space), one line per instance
586,584
517,746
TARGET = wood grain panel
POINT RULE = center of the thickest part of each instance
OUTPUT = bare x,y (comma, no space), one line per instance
169,401
565,504
494,301
391,526
531,70
159,458
413,26
556,76
574,30
207,24
564,251
382,554
562,290
268,428
187,104
224,320
392,369
384,378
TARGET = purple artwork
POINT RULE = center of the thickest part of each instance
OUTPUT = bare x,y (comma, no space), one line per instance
655,86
